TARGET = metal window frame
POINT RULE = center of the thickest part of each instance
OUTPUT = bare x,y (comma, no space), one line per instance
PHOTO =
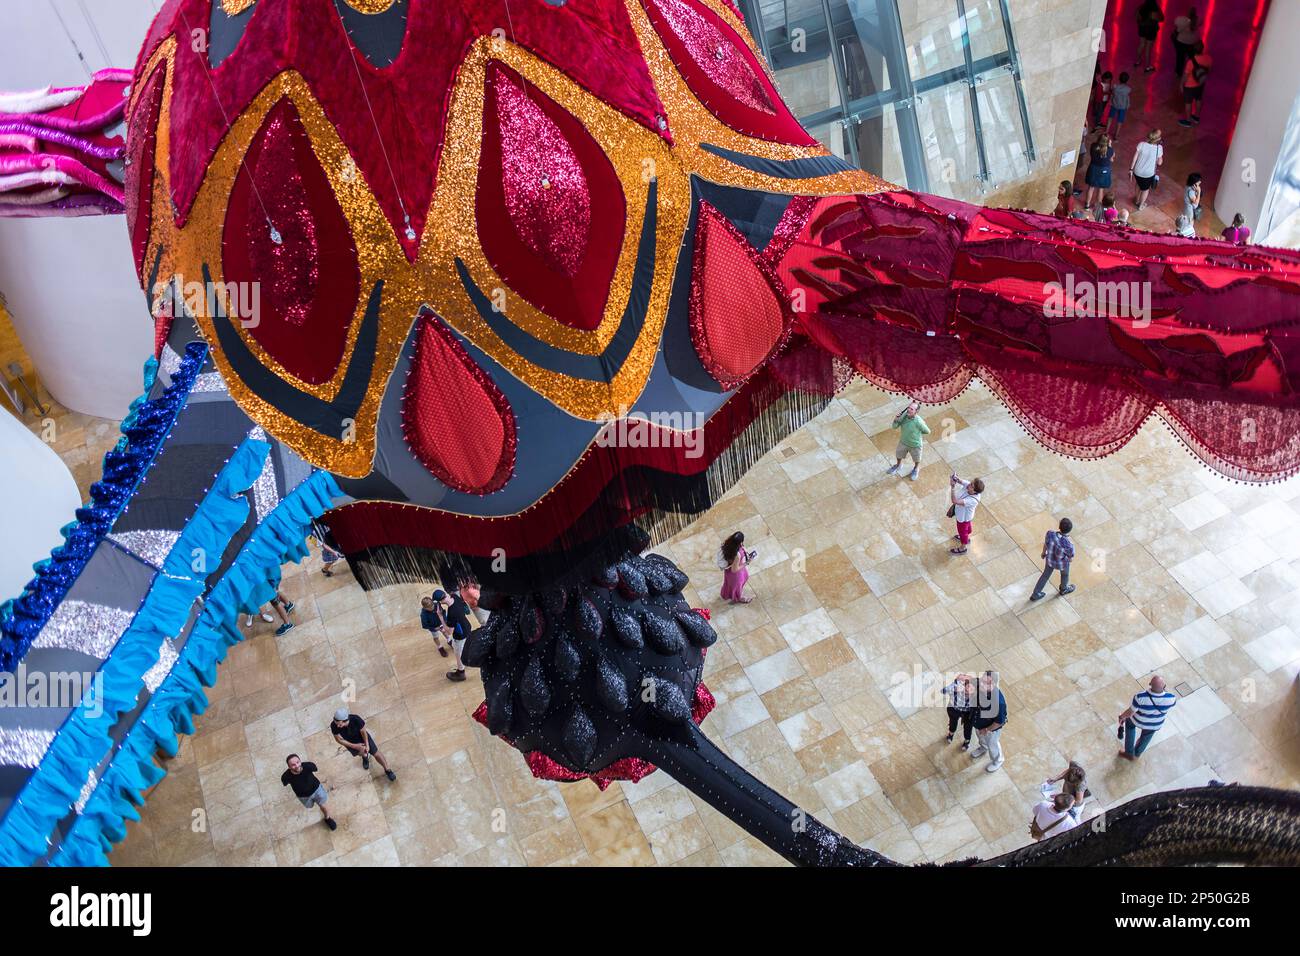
907,90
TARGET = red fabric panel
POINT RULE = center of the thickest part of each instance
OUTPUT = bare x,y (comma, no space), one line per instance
577,299
723,72
591,42
143,139
456,421
309,281
738,316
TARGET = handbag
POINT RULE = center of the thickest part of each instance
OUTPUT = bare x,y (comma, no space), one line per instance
952,511
1038,832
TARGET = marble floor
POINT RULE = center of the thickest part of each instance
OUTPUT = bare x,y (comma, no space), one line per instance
1179,572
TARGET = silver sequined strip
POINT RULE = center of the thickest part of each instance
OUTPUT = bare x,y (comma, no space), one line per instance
169,363
208,382
155,675
23,748
265,495
92,782
151,547
92,629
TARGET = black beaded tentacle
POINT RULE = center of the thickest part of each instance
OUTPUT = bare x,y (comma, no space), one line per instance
598,672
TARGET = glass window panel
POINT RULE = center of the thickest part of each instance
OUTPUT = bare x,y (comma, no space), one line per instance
831,135
988,35
948,140
801,53
880,149
862,45
933,36
1001,127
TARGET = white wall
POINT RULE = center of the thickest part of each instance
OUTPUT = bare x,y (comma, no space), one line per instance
1273,87
70,283
39,498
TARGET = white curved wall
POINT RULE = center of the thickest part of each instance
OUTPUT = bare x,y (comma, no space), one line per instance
70,283
39,498
1265,111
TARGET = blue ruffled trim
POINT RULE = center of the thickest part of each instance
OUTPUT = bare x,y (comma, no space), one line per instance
84,738
251,580
144,431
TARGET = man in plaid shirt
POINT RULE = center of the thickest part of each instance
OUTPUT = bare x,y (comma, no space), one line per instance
1058,552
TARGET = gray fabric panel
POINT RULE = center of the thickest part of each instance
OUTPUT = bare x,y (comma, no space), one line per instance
113,578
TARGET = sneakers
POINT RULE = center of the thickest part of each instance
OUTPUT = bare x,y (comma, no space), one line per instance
329,822
289,606
455,675
965,745
249,621
1185,122
283,628
328,574
893,470
978,752
1068,589
949,738
993,767
1037,596
916,473
268,618
365,761
390,775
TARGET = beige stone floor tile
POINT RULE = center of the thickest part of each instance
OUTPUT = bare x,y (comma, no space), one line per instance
820,681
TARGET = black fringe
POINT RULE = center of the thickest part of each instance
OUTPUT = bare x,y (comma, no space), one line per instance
604,533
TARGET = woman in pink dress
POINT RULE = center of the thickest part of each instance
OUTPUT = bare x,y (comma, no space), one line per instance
733,560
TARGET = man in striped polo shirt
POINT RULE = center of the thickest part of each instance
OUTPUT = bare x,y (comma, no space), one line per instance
1145,715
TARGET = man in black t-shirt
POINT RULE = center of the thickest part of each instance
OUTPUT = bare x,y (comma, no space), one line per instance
307,787
456,613
350,731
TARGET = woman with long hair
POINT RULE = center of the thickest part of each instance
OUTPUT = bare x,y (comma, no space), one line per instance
1149,17
1098,176
1238,233
734,560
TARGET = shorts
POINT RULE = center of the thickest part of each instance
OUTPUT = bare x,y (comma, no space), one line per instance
459,644
1149,31
1118,114
374,747
1146,183
1192,94
903,451
316,799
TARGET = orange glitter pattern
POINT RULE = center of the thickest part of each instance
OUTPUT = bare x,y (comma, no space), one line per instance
639,157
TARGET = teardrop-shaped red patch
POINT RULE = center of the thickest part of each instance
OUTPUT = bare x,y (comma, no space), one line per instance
738,316
549,204
457,423
143,137
288,248
723,72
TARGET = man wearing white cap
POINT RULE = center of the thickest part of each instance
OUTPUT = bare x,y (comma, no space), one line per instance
350,731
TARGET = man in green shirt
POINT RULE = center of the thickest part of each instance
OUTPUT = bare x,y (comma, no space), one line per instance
911,427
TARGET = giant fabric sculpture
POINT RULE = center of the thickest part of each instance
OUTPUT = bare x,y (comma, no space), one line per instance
488,237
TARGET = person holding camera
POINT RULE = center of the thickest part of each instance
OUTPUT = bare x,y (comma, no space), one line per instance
965,499
911,431
733,561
